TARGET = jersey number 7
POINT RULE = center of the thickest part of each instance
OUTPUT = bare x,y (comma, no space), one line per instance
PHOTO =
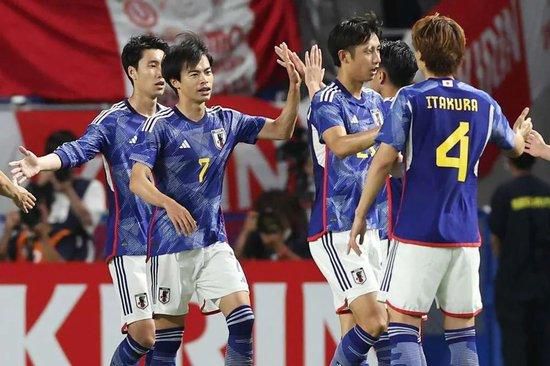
458,136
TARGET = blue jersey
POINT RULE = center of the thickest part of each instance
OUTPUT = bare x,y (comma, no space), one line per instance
392,188
112,134
442,126
188,161
339,182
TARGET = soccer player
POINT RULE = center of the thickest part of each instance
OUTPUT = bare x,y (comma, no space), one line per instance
184,151
536,146
343,122
112,133
442,126
397,70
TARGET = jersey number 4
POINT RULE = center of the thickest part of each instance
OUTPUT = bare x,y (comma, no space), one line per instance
204,163
459,137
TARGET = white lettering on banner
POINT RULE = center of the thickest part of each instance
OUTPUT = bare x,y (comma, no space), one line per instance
250,159
270,323
491,56
225,26
40,341
318,317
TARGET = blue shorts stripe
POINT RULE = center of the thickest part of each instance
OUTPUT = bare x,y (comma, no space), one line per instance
120,286
125,282
344,274
332,262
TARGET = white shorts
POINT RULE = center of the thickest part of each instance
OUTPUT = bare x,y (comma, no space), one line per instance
384,284
349,275
212,272
419,274
130,281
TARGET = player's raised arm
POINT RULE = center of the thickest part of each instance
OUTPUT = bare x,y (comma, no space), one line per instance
311,69
283,127
31,165
535,146
522,128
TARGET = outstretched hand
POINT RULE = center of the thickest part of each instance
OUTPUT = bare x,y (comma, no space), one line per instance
25,168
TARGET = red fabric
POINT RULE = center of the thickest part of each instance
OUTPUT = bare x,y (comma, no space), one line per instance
275,22
59,50
68,51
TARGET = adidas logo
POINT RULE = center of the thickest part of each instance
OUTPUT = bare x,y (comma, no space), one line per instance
354,119
185,145
133,140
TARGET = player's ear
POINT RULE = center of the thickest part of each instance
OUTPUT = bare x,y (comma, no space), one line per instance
382,76
132,72
344,56
175,83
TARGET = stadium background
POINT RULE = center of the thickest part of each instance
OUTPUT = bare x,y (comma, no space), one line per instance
60,65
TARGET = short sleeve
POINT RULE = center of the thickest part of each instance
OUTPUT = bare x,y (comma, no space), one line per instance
326,115
149,142
395,129
501,133
247,127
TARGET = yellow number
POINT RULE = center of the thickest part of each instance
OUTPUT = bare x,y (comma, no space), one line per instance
370,152
204,163
461,162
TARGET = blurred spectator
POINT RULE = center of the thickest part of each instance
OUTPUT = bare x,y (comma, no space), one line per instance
30,238
78,203
275,229
520,224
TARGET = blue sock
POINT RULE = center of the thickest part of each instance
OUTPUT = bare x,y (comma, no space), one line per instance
128,352
383,349
405,345
239,344
167,343
353,348
462,343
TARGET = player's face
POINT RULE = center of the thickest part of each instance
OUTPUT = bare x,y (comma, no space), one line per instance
196,82
148,76
376,82
366,59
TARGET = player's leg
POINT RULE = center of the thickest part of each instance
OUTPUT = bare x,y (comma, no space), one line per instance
222,283
414,278
170,294
460,300
383,249
324,258
130,282
359,283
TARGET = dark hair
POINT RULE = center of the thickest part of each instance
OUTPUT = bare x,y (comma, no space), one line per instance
57,139
399,62
523,162
186,54
441,42
133,50
352,32
270,223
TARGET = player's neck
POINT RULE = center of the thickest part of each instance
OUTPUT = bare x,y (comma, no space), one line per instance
388,91
353,86
192,110
428,74
143,105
